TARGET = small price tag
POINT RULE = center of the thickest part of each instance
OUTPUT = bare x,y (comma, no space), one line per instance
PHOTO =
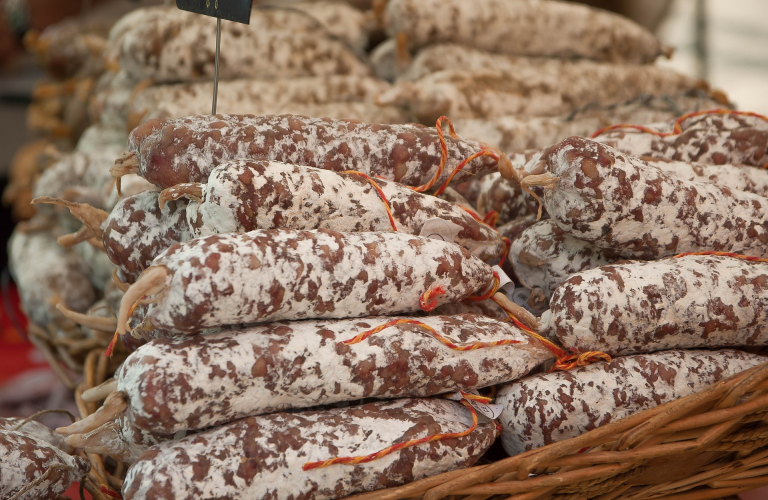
506,285
238,11
440,229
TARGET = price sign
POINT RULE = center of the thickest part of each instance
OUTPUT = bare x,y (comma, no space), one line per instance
238,11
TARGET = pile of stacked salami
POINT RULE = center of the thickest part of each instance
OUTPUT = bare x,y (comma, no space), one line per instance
269,243
301,294
686,202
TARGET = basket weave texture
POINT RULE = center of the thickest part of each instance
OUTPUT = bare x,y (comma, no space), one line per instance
709,445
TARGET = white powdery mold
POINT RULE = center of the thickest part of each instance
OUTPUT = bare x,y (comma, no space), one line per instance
241,196
262,457
175,385
552,407
636,210
688,302
269,275
24,458
258,97
544,256
138,230
37,430
713,138
46,273
526,27
169,45
186,149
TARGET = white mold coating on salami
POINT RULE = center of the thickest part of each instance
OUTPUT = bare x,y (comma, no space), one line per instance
524,27
714,138
551,407
175,385
689,302
46,273
740,178
537,88
625,205
309,96
272,274
261,458
544,256
138,230
186,149
37,430
23,459
170,45
511,134
241,196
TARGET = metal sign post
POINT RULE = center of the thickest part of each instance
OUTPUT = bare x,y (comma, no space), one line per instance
238,11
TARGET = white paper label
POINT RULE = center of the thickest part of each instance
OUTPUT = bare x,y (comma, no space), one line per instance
440,229
506,285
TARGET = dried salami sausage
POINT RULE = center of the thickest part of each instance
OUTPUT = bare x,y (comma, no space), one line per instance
171,152
550,407
269,275
688,302
239,460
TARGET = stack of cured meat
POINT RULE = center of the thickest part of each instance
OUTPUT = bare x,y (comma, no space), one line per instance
312,311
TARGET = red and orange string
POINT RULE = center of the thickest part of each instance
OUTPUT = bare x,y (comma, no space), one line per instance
444,158
678,128
491,218
428,299
406,444
379,191
456,347
491,291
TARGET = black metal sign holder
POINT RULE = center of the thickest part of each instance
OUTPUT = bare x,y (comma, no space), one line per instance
238,11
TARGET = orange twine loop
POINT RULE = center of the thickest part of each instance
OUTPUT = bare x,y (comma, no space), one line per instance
724,254
678,127
491,218
565,360
507,246
379,191
406,444
568,361
491,291
444,158
468,347
428,299
471,212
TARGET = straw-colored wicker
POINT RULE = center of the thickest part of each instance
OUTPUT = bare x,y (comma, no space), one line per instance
73,355
709,445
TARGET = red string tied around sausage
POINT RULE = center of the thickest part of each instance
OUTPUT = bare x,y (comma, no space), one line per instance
678,128
406,444
444,158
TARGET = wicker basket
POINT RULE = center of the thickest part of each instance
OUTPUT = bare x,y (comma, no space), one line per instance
72,356
709,445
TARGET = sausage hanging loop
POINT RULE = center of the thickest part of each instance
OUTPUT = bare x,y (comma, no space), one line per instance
546,181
